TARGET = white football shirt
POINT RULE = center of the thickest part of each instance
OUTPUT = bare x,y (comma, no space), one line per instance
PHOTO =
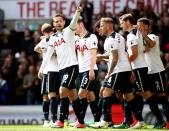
135,38
153,58
63,42
43,45
52,62
83,47
116,42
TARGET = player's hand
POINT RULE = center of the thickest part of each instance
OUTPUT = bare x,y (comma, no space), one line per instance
91,75
79,9
40,74
44,50
107,76
101,91
147,49
99,57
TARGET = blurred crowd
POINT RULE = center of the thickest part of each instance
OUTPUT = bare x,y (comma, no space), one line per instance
19,64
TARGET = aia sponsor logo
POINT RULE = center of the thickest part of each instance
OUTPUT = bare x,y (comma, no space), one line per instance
59,42
81,48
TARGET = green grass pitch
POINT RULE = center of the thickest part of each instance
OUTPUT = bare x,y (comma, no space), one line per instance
40,128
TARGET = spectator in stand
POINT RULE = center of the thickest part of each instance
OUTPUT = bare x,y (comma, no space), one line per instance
20,92
13,41
4,91
8,70
31,84
22,58
27,42
36,36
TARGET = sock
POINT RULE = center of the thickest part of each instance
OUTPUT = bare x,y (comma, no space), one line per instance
63,109
84,105
127,113
95,110
45,108
67,108
107,109
100,103
165,105
154,108
77,107
134,105
140,101
54,108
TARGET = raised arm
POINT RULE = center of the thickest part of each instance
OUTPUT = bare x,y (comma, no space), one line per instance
75,18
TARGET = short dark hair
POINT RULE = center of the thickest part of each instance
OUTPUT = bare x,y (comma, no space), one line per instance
144,20
59,15
47,29
128,17
81,20
107,20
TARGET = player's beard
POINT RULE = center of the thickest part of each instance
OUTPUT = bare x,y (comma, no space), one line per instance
59,28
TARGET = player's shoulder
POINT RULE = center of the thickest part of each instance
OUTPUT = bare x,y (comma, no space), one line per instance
93,36
43,41
134,31
88,35
132,35
152,36
113,35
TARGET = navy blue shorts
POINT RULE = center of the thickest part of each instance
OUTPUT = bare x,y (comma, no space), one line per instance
119,82
85,83
44,85
157,82
53,82
68,76
141,83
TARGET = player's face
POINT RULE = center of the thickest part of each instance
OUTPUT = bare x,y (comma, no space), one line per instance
147,29
143,28
58,23
103,29
123,25
140,26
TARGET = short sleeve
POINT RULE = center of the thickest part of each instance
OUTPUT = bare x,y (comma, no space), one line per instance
42,44
132,40
113,44
93,42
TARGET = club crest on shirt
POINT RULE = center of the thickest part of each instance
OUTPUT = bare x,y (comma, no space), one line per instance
94,43
59,42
